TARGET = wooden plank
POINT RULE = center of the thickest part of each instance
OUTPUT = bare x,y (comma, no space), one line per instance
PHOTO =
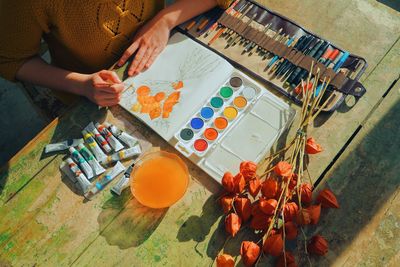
365,230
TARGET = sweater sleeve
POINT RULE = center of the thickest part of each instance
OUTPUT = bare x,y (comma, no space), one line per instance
224,3
20,32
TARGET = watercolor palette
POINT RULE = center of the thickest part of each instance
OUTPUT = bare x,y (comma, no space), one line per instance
212,113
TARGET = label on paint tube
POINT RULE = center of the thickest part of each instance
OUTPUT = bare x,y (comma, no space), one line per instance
123,136
123,182
80,177
97,168
123,154
104,144
106,179
98,153
62,145
82,162
115,144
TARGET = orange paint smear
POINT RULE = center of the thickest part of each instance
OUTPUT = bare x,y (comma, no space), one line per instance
177,85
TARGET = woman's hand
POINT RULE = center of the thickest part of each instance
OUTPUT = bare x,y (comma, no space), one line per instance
103,88
148,43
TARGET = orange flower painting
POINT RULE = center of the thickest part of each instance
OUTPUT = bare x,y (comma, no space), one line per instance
158,105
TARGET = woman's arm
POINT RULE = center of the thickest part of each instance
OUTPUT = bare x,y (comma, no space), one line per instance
153,37
103,87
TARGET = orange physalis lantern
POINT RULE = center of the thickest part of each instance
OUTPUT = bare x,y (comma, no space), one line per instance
243,208
306,193
249,252
232,224
312,147
225,260
303,217
315,212
260,222
269,188
291,231
290,211
283,169
318,245
226,203
254,186
248,169
327,199
268,206
290,260
239,183
273,245
228,183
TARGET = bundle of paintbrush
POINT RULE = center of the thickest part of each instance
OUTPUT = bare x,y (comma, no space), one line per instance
278,51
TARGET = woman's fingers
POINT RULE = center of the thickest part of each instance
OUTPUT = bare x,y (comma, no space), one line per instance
144,60
128,53
138,58
151,59
114,89
109,76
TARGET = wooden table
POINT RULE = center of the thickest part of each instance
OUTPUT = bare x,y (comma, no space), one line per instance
46,222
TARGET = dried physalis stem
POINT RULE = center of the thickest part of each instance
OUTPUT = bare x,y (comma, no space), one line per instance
318,245
232,224
327,199
312,147
249,252
248,169
225,260
283,169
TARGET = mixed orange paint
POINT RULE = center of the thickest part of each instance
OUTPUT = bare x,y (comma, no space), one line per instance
158,105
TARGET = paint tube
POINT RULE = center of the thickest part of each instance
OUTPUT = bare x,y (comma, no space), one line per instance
100,139
62,145
127,139
123,154
97,168
82,162
82,180
114,143
107,178
67,171
123,182
94,147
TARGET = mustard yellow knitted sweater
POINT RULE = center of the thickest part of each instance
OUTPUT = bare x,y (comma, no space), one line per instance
82,35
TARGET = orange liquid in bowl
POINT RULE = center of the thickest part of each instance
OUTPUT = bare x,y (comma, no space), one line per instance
159,179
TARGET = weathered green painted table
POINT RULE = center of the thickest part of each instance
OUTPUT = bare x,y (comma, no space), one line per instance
45,222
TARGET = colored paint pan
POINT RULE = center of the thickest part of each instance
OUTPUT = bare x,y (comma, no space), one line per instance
186,134
207,113
230,113
236,82
196,123
217,102
249,93
226,92
240,102
220,123
211,134
200,145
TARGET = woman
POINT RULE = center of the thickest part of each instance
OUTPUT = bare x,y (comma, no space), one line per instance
85,38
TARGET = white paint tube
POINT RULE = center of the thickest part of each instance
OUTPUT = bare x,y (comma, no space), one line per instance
97,168
100,139
126,138
123,154
67,171
123,182
77,157
82,180
106,179
62,145
94,147
114,143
